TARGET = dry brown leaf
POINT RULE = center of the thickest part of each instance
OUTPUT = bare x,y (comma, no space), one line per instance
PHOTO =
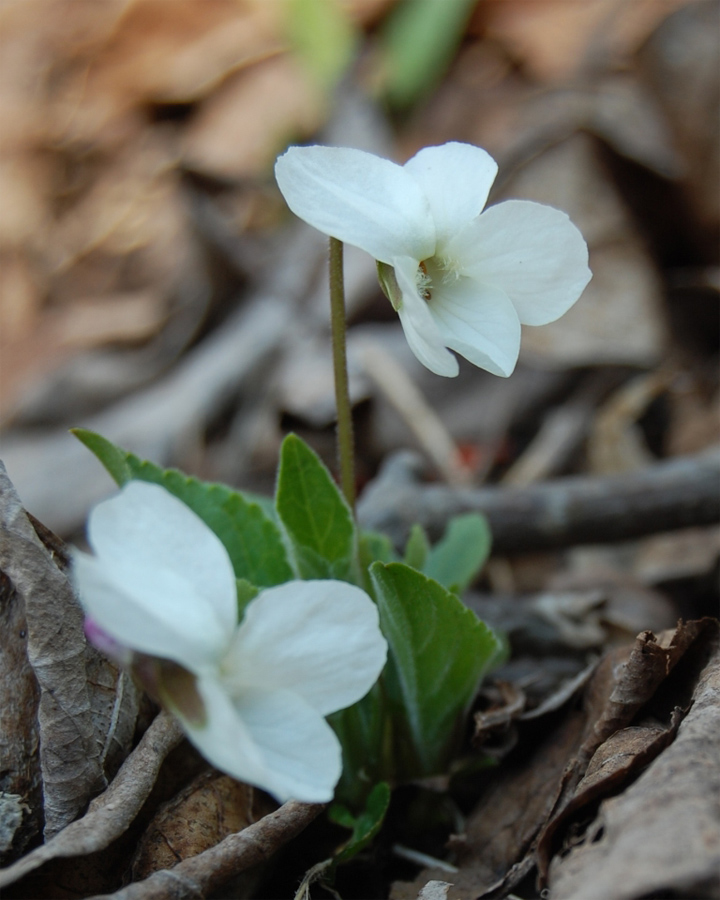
116,318
553,38
500,830
240,129
203,814
662,835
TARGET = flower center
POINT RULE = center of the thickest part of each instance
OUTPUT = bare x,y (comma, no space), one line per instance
434,272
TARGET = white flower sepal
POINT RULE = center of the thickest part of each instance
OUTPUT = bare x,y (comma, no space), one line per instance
251,696
459,278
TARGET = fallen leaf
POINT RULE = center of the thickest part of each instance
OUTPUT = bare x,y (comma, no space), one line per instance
662,835
204,813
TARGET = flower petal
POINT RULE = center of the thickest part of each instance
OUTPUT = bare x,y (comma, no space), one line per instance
145,527
319,639
302,754
358,198
271,739
533,253
456,179
421,330
478,322
223,738
150,609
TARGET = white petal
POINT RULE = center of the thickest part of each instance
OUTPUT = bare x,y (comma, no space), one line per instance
532,253
478,322
358,198
224,739
456,179
421,330
150,609
302,755
319,639
146,527
271,739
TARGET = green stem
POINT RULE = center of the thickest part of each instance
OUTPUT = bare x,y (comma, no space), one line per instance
338,327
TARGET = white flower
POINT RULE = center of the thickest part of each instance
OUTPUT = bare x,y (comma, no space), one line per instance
250,696
457,278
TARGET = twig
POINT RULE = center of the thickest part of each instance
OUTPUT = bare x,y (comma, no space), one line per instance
110,814
200,875
680,493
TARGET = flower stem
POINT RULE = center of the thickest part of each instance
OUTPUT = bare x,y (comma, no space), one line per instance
338,327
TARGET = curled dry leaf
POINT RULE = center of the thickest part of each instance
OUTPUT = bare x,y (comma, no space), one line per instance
663,833
70,755
20,781
108,815
591,754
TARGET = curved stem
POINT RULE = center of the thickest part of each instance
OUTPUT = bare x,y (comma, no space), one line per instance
338,327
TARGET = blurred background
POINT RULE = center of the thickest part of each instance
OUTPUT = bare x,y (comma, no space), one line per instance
154,287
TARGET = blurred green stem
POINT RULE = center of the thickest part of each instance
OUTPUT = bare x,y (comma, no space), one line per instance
338,327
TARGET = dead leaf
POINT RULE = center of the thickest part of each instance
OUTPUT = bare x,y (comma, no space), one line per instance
20,781
662,835
203,814
554,39
241,128
109,814
69,751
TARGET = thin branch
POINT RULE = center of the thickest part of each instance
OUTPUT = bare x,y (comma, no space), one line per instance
680,493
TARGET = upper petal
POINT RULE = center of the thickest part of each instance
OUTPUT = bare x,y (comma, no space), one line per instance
421,330
319,639
151,609
358,198
456,179
533,253
479,322
144,527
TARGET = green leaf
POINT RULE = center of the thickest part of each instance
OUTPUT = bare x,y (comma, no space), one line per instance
439,651
252,539
420,39
245,593
417,548
363,730
113,458
318,521
457,559
323,36
376,547
366,825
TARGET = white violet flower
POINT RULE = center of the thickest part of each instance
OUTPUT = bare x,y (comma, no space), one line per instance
251,696
459,278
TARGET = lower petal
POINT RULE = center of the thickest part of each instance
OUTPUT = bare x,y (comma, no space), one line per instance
479,323
302,754
271,739
421,330
532,253
222,738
